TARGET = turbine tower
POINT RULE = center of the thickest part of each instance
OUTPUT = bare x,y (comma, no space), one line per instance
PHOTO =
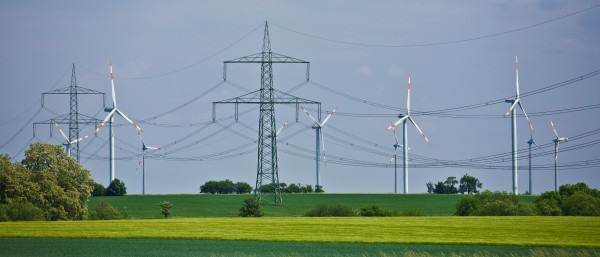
403,119
557,141
143,163
319,141
266,97
395,160
513,115
531,142
111,112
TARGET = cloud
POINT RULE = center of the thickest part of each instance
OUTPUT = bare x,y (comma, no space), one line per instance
365,70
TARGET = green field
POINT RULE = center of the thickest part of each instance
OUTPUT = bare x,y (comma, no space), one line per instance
294,205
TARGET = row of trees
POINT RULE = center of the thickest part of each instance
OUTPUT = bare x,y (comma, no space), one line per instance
467,184
570,200
228,187
116,188
46,185
225,187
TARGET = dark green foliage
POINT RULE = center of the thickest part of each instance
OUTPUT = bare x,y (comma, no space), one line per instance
570,200
494,204
372,211
447,187
251,208
165,208
331,210
99,189
116,188
469,185
225,187
48,179
24,211
292,188
581,203
103,211
319,189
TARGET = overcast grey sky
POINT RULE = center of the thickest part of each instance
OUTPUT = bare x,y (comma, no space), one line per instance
167,53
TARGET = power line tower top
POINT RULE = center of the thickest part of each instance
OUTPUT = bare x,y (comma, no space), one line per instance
74,117
267,97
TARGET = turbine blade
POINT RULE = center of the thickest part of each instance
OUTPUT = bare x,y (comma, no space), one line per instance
517,72
527,117
139,130
327,118
512,107
408,97
396,123
310,116
280,129
393,157
97,129
139,164
112,84
61,132
395,136
419,129
541,148
554,129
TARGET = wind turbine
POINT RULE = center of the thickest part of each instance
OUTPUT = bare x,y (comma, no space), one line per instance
394,159
143,163
111,112
319,135
67,144
403,119
557,140
511,110
277,146
531,142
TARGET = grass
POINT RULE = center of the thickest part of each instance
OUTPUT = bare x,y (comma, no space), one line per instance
509,231
294,205
18,247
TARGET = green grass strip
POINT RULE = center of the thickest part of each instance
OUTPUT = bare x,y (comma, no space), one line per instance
516,231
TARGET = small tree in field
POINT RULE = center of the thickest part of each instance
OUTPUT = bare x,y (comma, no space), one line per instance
116,188
251,208
165,208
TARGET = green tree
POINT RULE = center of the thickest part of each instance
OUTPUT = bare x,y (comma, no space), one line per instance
494,204
103,211
469,184
251,208
372,211
446,187
309,189
429,187
293,188
319,189
98,190
165,208
116,188
243,188
581,203
21,211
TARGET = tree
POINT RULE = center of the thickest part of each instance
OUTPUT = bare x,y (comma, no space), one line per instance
165,208
251,208
293,188
319,189
494,204
98,190
116,188
469,185
103,211
243,188
581,203
446,187
49,180
429,187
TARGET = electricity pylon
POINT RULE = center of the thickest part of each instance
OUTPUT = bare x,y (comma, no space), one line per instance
267,97
74,118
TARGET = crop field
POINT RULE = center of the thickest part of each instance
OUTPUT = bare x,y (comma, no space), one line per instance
294,205
501,232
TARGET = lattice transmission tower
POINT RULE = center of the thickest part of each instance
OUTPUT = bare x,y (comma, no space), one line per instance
267,97
73,118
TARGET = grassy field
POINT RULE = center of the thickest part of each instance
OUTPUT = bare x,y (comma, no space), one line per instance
30,247
146,206
514,231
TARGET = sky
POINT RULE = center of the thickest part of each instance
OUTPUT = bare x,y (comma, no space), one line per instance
168,65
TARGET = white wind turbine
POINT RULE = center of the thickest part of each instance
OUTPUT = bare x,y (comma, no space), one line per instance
394,159
111,112
557,140
143,163
403,119
512,112
277,146
319,137
67,143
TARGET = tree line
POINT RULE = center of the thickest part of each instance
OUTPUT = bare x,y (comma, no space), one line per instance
467,184
229,187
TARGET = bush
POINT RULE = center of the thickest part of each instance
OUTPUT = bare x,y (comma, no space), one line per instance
116,188
251,208
319,189
98,190
581,204
494,204
372,211
24,211
103,211
165,208
331,210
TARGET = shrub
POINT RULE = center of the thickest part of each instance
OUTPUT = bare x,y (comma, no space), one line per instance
251,208
165,208
319,189
581,204
98,190
331,210
116,188
103,211
494,204
548,207
24,211
372,211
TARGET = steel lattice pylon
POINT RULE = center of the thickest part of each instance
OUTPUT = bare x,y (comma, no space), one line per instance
73,119
267,97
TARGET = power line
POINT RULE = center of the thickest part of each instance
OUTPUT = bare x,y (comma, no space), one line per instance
448,42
